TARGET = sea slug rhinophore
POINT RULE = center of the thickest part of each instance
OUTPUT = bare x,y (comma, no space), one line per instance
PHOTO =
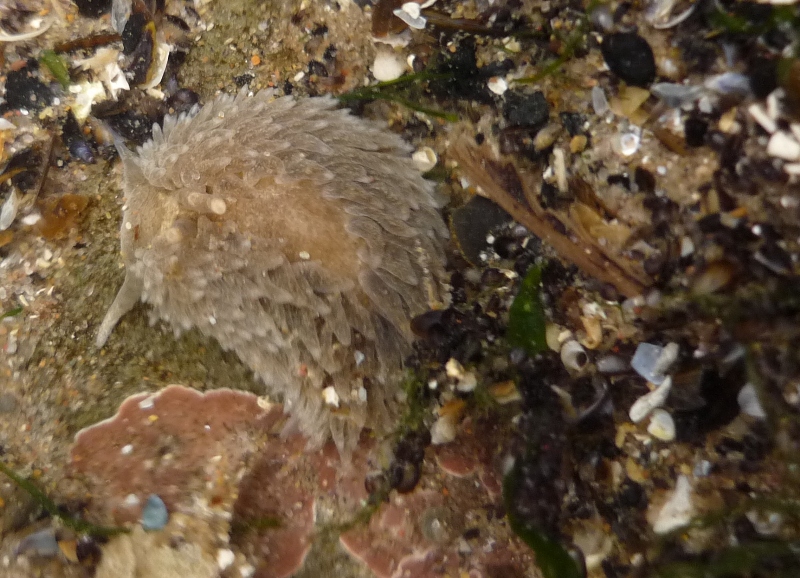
300,237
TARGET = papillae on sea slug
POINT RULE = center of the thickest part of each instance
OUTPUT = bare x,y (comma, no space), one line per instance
298,236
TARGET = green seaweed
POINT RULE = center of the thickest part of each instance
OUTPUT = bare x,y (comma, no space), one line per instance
415,406
526,318
385,91
552,558
11,312
51,508
55,64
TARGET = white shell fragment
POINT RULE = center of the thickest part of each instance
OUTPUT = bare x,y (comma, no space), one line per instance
761,117
678,510
443,430
425,158
626,143
653,361
643,406
498,85
410,13
783,146
9,211
749,402
661,426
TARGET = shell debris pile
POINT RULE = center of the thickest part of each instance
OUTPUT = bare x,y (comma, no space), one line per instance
298,236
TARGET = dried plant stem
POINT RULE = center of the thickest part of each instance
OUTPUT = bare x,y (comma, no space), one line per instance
585,254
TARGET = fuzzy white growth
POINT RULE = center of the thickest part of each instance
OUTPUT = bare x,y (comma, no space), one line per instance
224,205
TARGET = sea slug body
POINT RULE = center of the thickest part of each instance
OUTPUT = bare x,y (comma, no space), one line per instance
300,237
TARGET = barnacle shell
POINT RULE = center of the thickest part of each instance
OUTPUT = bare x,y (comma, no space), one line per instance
298,236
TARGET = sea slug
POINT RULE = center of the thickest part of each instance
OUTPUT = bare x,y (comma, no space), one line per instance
295,234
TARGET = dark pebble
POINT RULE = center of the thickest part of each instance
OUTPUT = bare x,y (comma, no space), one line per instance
645,180
464,80
527,110
316,68
25,90
182,101
79,148
93,8
695,130
572,122
619,179
132,33
243,79
763,76
472,222
629,57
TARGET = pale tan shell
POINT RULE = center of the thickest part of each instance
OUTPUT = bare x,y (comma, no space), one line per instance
298,236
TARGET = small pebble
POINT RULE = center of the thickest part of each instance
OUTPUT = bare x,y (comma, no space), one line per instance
578,143
629,57
154,513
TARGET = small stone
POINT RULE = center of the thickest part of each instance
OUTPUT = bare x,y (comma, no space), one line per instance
529,110
578,144
547,136
629,57
154,513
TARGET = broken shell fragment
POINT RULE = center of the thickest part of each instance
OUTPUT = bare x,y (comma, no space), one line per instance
661,426
643,406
